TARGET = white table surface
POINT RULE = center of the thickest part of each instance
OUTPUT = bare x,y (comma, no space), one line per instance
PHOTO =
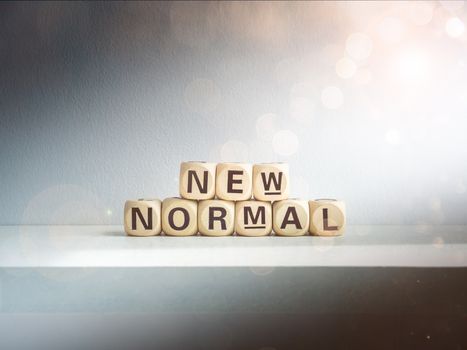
108,246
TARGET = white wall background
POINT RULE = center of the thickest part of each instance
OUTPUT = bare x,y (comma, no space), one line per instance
101,102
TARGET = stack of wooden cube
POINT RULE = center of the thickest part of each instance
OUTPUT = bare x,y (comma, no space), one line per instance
216,200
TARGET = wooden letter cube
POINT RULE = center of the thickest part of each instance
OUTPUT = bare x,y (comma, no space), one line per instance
327,217
290,217
234,181
216,217
142,217
271,181
179,217
197,180
253,218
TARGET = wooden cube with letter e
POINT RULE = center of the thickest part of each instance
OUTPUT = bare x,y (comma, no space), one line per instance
234,181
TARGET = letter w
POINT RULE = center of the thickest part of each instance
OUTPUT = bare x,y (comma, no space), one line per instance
272,179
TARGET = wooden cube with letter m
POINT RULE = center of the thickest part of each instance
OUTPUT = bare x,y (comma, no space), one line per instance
253,218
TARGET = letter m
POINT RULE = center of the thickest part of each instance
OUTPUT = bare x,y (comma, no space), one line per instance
248,214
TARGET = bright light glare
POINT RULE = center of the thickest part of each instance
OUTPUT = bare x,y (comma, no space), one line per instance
359,46
452,5
413,66
391,29
455,27
332,97
345,68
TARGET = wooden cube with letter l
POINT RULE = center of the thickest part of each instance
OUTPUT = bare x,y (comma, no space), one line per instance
327,217
253,218
197,180
142,217
216,217
271,181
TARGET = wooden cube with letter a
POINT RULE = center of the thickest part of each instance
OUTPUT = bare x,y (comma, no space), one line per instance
290,217
216,217
197,180
271,181
253,218
179,217
142,217
327,217
234,181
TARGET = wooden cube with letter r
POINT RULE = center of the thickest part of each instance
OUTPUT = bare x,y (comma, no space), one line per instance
216,217
142,217
197,180
253,218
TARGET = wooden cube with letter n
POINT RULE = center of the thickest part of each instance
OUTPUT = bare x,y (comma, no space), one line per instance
234,181
197,180
271,181
327,217
253,218
290,217
216,217
142,217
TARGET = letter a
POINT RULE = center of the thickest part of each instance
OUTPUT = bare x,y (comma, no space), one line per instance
291,211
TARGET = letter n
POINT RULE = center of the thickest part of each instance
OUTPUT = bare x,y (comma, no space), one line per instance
137,212
203,188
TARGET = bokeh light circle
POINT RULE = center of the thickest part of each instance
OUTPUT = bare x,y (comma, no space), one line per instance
391,29
455,27
419,12
346,68
363,76
234,151
267,126
393,137
332,97
285,143
359,46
